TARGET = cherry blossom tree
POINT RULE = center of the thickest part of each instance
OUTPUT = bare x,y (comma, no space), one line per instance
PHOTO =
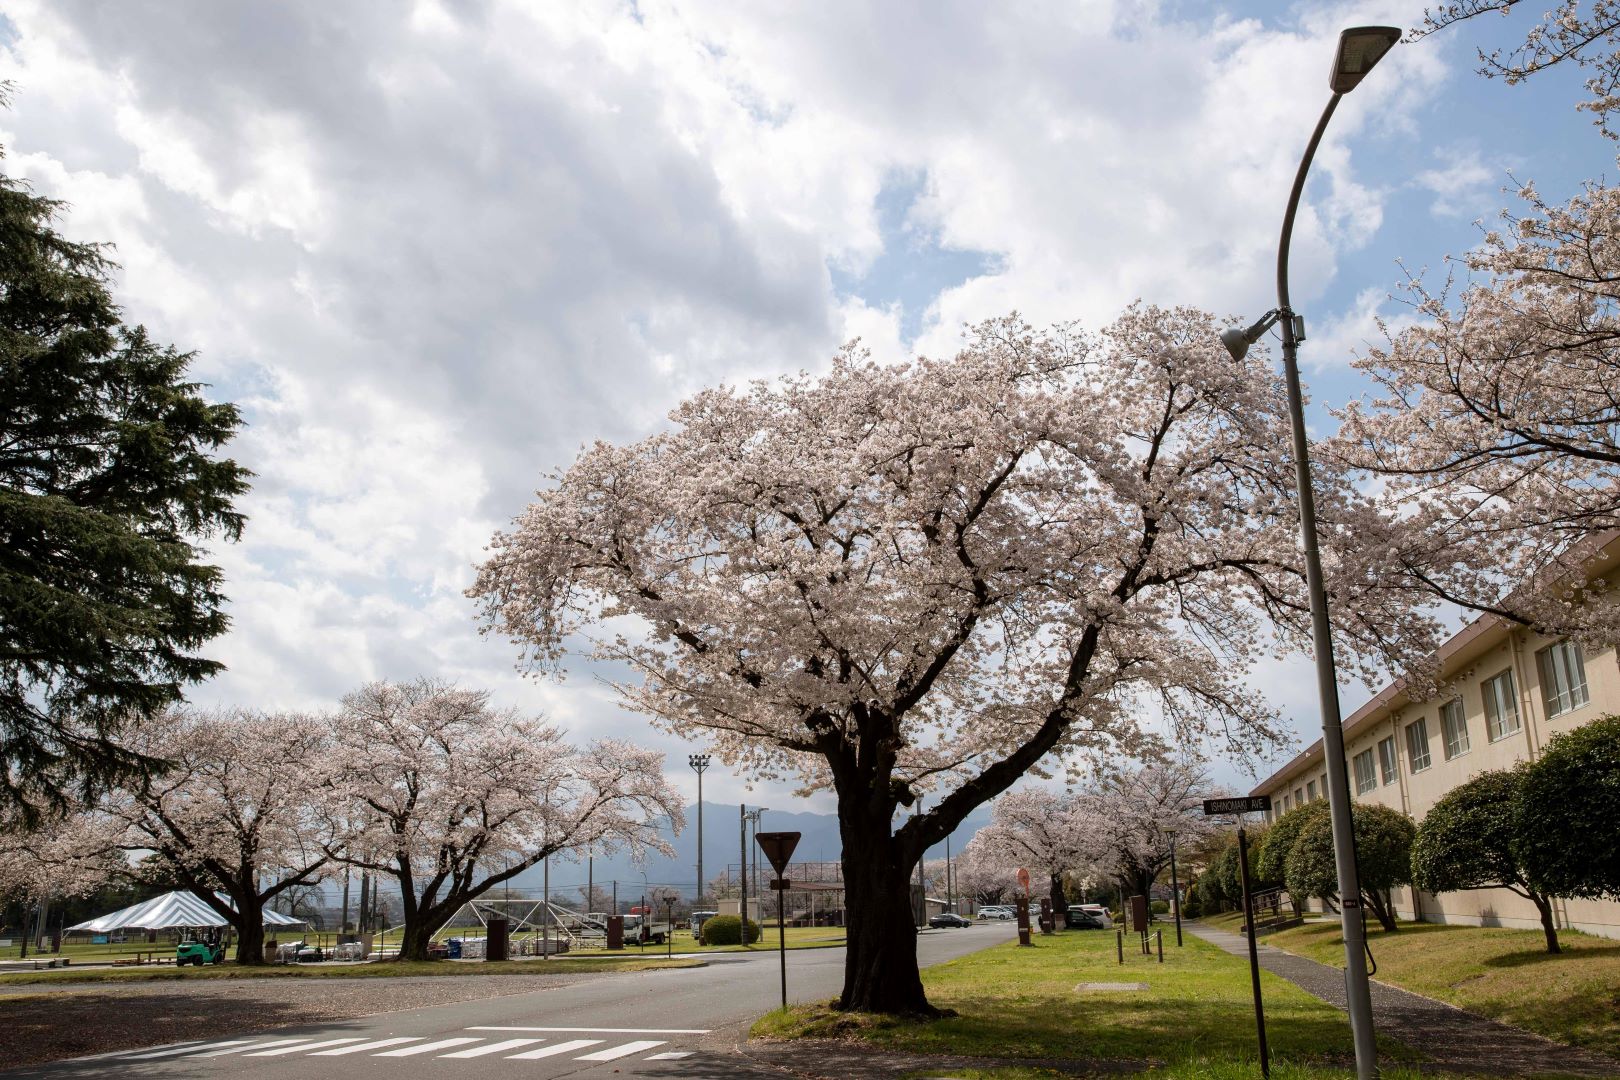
451,797
984,871
937,575
1039,830
1496,432
240,810
1574,33
1127,820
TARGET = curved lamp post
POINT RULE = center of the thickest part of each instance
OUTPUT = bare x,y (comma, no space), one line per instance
1359,49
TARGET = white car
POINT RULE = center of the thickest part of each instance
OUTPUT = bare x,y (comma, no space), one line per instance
1100,913
995,912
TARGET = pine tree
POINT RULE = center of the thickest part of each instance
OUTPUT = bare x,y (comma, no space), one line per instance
109,476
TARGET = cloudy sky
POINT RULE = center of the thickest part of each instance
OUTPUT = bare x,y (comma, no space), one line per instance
433,248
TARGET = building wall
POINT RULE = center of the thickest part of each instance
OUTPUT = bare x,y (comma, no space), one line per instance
1414,788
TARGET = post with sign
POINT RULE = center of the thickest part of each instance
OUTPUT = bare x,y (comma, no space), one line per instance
1258,804
778,848
1021,906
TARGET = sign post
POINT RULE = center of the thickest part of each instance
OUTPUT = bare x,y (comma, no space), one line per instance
778,848
1258,804
1021,906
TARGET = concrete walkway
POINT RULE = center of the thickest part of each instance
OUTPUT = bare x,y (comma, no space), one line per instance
1449,1036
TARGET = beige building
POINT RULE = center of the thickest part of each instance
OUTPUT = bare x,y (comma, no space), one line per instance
1504,691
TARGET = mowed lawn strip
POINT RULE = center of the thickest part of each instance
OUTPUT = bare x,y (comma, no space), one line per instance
387,969
1572,997
1023,1003
1212,1070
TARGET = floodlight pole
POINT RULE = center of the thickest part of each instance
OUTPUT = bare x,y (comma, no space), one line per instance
699,762
1358,994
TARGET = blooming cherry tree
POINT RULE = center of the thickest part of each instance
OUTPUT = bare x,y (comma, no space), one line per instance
1497,433
1041,831
984,871
450,797
240,810
1127,821
937,575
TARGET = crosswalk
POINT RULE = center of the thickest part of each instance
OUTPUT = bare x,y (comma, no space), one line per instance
510,1043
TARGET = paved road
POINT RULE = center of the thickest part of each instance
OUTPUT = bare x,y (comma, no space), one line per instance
676,1023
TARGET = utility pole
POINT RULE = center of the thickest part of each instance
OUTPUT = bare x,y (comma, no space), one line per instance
742,868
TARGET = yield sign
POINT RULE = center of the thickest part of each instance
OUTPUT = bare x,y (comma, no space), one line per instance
778,847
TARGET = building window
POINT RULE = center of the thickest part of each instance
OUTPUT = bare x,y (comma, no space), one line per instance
1366,773
1386,759
1455,728
1417,744
1563,677
1501,706
1299,797
1285,804
1310,790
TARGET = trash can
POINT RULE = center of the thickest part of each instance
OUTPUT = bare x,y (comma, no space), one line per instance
455,948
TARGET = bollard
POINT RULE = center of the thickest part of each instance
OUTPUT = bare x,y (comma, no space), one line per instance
1160,935
1119,940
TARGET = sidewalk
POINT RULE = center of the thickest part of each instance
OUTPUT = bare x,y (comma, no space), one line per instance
1451,1037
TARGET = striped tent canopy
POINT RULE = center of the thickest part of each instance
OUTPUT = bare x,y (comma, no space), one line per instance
176,910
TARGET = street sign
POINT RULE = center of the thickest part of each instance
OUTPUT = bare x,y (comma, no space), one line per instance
780,883
1023,879
1247,804
778,848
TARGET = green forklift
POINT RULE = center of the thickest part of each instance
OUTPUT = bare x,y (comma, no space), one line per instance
199,950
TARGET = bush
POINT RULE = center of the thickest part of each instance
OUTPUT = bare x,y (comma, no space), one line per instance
1568,819
1160,907
1192,909
1383,857
727,930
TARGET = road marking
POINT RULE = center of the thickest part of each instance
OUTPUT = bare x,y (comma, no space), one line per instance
558,1048
378,1045
613,1053
671,1055
250,1046
607,1031
493,1048
303,1047
426,1048
184,1048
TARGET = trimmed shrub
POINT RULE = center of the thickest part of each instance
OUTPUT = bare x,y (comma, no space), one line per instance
1383,857
727,930
1160,907
1568,819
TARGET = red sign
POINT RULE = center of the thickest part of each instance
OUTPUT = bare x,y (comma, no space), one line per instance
1023,879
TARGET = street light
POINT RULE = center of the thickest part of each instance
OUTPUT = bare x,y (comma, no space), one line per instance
699,762
1359,49
1175,883
754,816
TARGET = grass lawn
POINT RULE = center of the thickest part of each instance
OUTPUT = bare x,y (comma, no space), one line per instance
1573,997
383,970
1022,1002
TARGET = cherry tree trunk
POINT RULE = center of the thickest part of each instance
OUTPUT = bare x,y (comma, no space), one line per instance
415,939
1060,903
250,928
880,960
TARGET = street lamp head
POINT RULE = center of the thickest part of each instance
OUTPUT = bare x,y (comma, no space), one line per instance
1237,341
1360,47
698,761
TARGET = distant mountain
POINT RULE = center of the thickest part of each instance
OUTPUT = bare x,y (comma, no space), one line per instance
819,841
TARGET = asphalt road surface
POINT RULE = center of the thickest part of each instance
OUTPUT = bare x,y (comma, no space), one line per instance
676,1023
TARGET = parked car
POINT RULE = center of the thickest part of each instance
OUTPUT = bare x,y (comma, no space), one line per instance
947,919
1100,913
1078,918
995,912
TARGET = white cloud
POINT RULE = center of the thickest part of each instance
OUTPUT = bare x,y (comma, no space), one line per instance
435,249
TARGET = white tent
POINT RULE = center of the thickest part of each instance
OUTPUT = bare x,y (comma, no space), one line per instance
176,910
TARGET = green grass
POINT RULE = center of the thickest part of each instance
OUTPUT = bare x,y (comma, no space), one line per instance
382,970
1017,1002
1573,997
1200,1069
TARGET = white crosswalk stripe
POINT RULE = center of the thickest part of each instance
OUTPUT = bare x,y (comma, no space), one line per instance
671,1055
303,1048
557,1048
427,1048
613,1053
250,1046
185,1048
492,1048
363,1047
